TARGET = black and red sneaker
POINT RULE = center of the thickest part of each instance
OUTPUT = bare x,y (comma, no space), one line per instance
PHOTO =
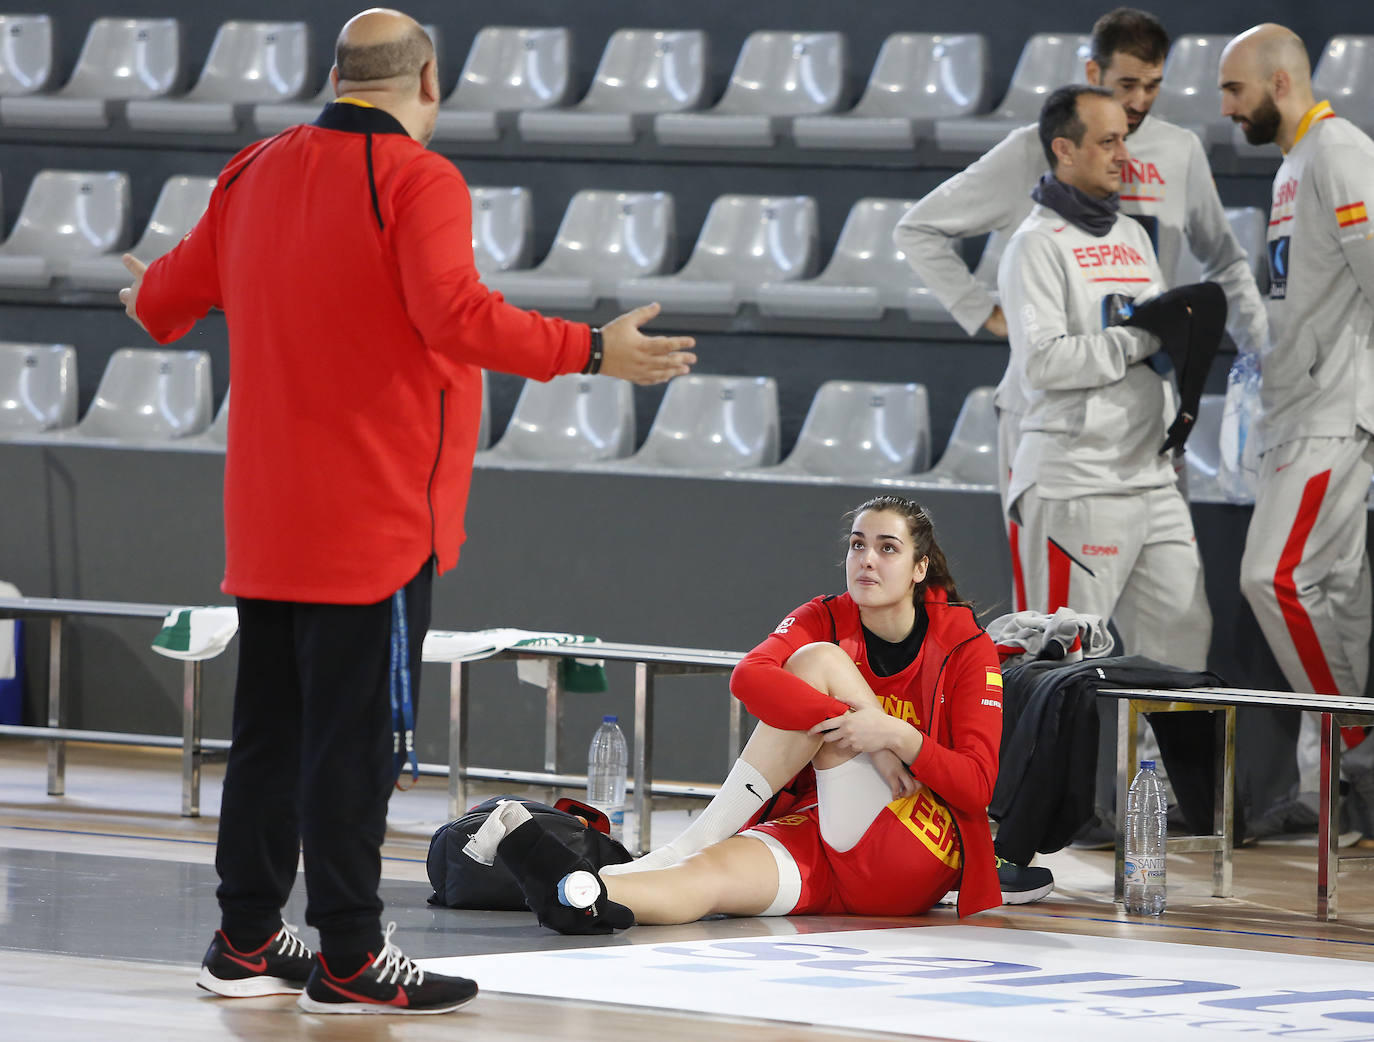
390,983
280,966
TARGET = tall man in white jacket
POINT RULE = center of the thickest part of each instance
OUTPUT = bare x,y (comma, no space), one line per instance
1305,571
1105,528
1167,185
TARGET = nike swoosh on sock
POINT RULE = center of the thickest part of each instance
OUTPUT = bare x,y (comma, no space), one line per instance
754,792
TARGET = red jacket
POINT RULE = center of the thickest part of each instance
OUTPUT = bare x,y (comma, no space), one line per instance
341,254
952,693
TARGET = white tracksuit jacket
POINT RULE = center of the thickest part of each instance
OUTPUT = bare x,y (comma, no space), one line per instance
1094,411
1168,183
1318,379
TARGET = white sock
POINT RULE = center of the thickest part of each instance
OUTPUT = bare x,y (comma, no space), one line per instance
745,790
508,815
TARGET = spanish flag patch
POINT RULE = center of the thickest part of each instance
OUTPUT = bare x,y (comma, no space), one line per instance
1353,213
994,681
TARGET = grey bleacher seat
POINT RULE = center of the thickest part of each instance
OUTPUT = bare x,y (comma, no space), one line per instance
970,458
1202,452
150,396
502,228
1188,94
642,72
37,388
778,75
1048,60
26,53
917,79
604,238
218,431
1250,225
179,206
273,117
121,59
746,240
709,425
867,273
509,69
571,419
67,215
249,63
1345,76
857,430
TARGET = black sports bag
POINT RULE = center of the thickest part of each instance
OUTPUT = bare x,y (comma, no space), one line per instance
461,882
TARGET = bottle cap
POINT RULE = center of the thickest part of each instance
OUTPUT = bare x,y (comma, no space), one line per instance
609,719
1147,765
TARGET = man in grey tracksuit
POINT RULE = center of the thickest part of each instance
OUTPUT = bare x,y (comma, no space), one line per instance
1106,530
1305,571
1167,185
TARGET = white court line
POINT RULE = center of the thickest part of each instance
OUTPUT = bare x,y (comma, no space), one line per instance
972,983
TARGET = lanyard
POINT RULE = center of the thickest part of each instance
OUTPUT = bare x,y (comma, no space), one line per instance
402,705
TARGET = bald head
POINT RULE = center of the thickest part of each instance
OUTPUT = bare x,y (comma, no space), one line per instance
1268,49
1266,84
382,45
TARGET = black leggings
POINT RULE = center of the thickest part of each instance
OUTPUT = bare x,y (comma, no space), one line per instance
312,766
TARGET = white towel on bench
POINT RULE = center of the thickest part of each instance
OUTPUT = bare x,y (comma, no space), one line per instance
7,658
193,634
580,674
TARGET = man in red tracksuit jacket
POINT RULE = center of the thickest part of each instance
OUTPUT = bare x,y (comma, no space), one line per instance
341,254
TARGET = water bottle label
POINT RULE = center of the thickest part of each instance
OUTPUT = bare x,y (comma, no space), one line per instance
1145,871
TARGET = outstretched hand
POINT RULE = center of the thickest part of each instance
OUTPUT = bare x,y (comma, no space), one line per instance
129,295
629,354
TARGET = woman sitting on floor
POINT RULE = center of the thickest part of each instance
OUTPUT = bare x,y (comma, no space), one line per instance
864,788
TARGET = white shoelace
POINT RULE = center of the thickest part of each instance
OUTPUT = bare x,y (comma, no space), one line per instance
392,966
289,944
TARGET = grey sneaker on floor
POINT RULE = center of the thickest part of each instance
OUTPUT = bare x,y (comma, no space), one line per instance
1023,884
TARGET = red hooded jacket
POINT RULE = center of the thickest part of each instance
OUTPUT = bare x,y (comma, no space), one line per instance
952,693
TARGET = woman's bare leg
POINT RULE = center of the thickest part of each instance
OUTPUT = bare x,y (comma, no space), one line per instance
736,877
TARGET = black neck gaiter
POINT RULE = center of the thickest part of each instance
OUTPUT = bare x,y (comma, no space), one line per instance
1094,216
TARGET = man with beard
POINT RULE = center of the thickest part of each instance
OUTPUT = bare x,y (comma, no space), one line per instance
1305,571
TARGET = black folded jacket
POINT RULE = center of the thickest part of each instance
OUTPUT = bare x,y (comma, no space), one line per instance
1189,321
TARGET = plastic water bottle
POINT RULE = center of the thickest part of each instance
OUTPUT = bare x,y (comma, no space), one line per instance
1147,829
608,759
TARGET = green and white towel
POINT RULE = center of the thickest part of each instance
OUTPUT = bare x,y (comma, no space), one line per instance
579,675
193,634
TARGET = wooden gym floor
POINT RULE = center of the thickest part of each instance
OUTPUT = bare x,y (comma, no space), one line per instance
108,903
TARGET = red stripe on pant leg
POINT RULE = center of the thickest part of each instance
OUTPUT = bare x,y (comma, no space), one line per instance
1018,578
1295,616
1059,563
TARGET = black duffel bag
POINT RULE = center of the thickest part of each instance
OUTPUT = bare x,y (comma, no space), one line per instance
461,882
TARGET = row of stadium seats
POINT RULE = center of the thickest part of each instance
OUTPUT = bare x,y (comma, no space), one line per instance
705,424
760,250
784,84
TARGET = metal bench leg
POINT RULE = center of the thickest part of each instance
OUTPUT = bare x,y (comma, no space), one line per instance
644,757
457,739
190,740
553,714
1223,799
57,749
1329,819
736,736
1127,727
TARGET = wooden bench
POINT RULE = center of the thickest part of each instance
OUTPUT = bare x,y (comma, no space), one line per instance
1223,702
57,611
